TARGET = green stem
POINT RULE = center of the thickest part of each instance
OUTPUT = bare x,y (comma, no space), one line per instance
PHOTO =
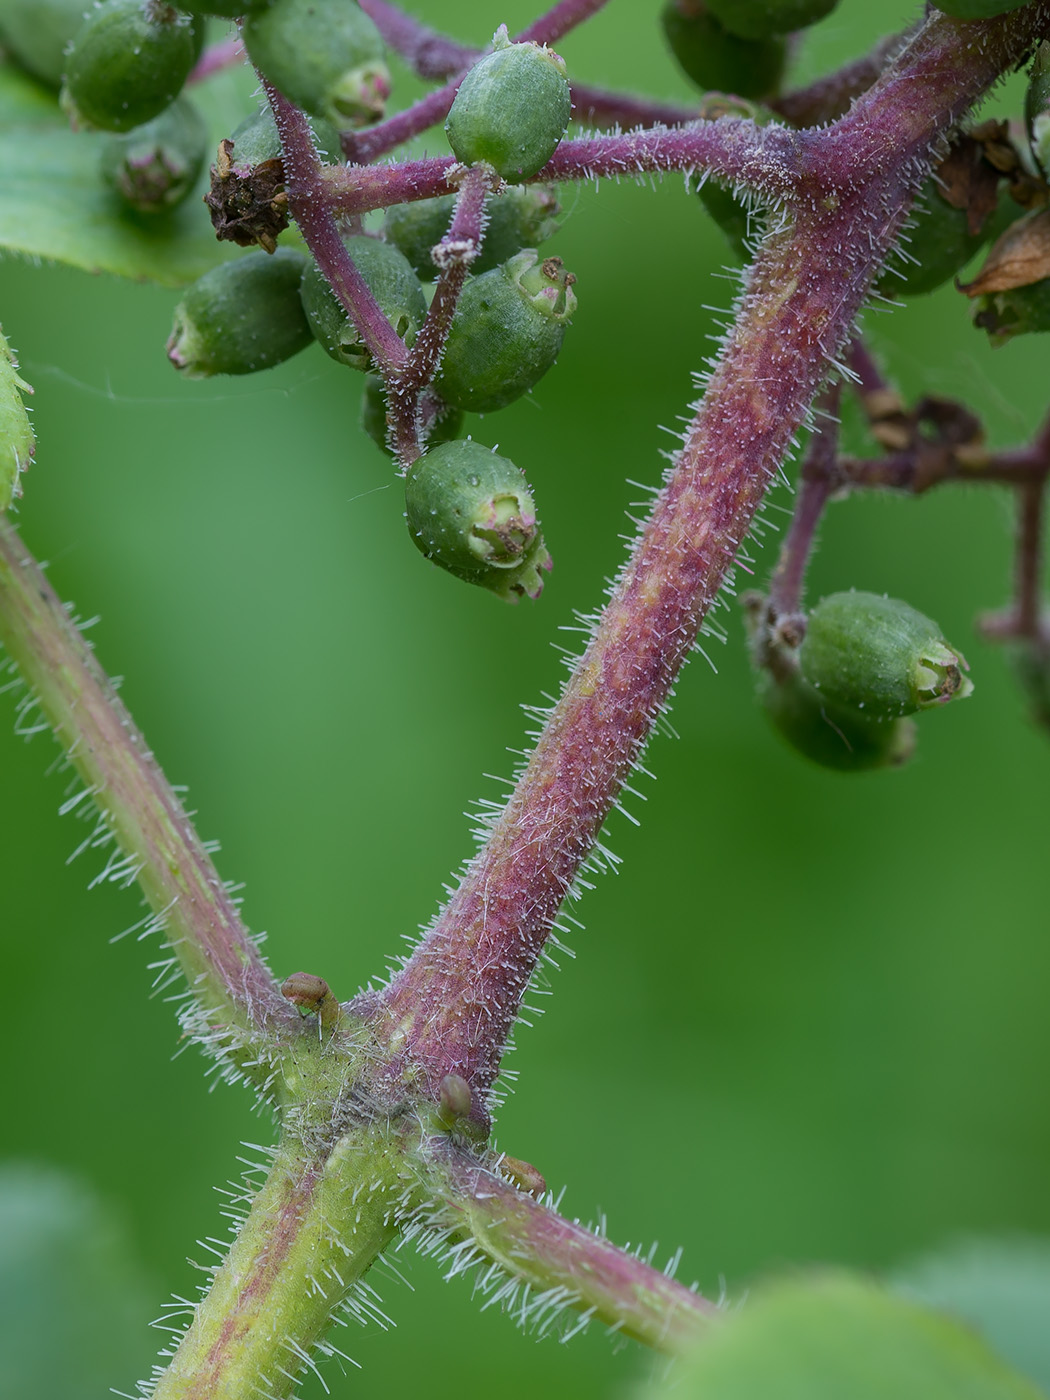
316,1226
162,851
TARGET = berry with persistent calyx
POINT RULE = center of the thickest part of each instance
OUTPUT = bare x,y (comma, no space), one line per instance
506,333
247,201
472,512
511,110
128,61
521,216
393,284
155,166
1037,107
241,316
879,656
758,19
37,33
326,56
832,736
443,427
978,9
714,58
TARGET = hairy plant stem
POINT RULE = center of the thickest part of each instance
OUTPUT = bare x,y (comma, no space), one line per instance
451,1007
764,159
817,481
550,1253
317,224
162,851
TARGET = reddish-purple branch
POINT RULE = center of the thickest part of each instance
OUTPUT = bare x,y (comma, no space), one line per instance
559,20
216,57
766,159
451,1007
547,1251
431,54
817,481
312,212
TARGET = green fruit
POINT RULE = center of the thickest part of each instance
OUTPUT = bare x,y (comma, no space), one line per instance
1037,107
978,9
241,316
714,58
326,56
393,284
938,246
256,139
511,110
128,62
1020,311
758,19
507,331
446,428
37,32
831,735
521,216
154,167
472,512
878,656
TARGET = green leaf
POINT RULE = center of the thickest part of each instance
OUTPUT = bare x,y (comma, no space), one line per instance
54,204
73,1306
16,433
839,1337
999,1286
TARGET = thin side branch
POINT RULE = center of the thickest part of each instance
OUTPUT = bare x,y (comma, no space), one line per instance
562,1259
163,852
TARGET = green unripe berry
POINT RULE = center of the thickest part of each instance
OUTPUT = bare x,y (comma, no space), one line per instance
326,56
37,33
714,58
446,428
879,656
521,216
937,247
1037,107
1019,311
506,333
154,167
831,735
472,512
758,19
393,284
511,110
256,140
978,9
128,62
241,316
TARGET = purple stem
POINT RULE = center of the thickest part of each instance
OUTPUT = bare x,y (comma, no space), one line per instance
451,1007
817,481
361,147
559,20
766,159
453,256
216,57
830,96
1028,576
312,212
431,54
164,853
547,1251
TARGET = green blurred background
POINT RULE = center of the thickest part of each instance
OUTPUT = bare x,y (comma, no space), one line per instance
807,1019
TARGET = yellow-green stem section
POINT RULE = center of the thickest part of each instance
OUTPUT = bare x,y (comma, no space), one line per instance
313,1230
